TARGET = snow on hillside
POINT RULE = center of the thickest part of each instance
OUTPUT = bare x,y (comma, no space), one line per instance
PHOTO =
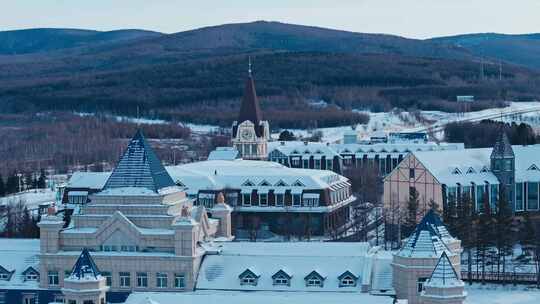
31,198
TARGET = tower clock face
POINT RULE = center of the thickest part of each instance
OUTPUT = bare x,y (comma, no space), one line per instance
245,134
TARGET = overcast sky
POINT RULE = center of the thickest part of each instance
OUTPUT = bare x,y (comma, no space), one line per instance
410,18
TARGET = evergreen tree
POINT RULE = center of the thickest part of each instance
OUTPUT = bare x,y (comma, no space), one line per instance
27,181
412,212
2,186
42,181
12,184
484,236
503,232
465,229
286,136
10,229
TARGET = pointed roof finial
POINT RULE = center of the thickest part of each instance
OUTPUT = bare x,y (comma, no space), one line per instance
249,66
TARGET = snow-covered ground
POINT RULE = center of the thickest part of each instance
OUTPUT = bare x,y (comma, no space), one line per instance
497,294
385,122
31,198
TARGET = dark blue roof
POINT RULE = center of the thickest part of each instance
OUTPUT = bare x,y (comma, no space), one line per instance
85,266
139,167
502,148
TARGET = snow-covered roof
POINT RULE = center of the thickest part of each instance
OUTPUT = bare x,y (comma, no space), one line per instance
297,259
139,167
302,148
248,175
473,165
396,148
224,153
444,274
85,268
459,166
90,180
263,297
17,256
426,241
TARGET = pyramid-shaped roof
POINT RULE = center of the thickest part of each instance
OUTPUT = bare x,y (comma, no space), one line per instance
426,240
85,268
502,148
432,219
444,273
250,109
139,167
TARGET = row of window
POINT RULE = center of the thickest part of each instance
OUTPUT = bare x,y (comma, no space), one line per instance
296,162
263,199
313,279
141,279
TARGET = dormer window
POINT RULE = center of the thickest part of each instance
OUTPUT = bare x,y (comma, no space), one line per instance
281,183
533,167
249,277
265,183
295,152
180,184
282,278
484,170
248,183
456,171
298,183
30,274
5,275
314,279
470,170
347,279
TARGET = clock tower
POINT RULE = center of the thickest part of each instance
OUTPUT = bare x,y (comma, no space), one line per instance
250,133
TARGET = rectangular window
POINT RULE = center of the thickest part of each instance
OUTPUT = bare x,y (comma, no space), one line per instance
281,280
329,164
246,199
29,299
142,279
480,198
317,164
53,278
263,199
108,277
297,200
125,279
179,281
411,173
59,298
519,197
232,198
532,196
2,298
31,276
306,163
296,162
494,195
420,284
161,280
314,282
279,199
4,276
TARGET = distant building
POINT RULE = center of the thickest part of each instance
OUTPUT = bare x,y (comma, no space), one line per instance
250,133
447,176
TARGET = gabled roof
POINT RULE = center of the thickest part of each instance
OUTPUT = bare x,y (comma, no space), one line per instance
30,269
139,167
316,274
502,148
444,274
281,272
85,268
347,273
249,272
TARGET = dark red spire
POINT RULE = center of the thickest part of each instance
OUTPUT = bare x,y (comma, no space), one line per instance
250,109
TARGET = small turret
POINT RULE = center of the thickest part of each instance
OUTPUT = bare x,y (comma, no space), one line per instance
444,286
85,284
222,212
49,231
186,234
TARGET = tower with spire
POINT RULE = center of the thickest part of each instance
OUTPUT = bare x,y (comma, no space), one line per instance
503,163
250,133
85,284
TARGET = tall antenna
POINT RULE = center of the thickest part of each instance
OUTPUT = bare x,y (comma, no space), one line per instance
249,66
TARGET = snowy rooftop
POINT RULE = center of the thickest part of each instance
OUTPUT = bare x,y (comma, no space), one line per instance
426,241
264,297
238,174
444,274
329,260
389,148
90,180
224,153
19,256
300,147
139,167
473,165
